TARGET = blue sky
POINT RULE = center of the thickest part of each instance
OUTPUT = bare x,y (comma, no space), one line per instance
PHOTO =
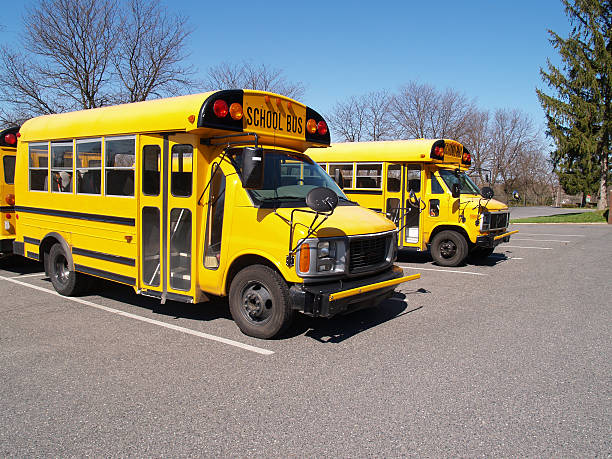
489,50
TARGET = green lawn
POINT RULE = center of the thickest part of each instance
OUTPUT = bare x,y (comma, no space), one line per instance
599,216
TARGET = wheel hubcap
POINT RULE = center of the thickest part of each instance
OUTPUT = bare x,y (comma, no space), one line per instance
257,302
61,268
448,249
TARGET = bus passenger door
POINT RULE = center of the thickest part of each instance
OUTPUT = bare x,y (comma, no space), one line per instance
412,174
394,196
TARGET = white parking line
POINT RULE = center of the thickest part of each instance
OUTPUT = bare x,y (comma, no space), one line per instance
552,234
21,276
229,342
537,240
441,270
521,247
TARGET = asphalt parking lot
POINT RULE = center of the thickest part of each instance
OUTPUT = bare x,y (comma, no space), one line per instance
510,357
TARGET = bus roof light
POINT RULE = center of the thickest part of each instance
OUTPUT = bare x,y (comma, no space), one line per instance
322,127
220,108
236,111
311,126
10,139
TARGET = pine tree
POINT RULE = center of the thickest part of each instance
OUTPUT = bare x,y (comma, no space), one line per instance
580,115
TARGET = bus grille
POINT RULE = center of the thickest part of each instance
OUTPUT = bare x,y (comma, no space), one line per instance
368,253
499,220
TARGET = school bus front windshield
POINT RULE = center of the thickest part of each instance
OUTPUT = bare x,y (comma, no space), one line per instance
288,180
452,177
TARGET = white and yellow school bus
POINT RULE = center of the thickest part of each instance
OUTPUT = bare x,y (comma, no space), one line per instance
206,194
423,187
8,148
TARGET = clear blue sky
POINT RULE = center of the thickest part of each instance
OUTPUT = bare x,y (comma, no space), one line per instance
489,50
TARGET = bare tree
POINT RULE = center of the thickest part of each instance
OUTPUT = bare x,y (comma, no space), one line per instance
362,118
478,142
81,54
250,76
149,57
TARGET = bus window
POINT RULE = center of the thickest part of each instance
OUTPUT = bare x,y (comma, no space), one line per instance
151,262
180,249
413,178
61,167
89,166
451,177
39,153
369,176
120,159
346,171
394,178
214,226
182,170
150,169
9,169
436,188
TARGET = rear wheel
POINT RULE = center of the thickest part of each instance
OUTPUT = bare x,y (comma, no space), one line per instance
66,281
259,302
449,248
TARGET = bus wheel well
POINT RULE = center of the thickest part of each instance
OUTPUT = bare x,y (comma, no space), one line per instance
457,229
45,247
242,262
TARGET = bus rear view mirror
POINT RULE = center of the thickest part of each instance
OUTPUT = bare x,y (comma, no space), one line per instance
322,199
516,195
456,191
252,168
487,192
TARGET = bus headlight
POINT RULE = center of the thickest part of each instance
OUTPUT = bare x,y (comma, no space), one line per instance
324,257
485,222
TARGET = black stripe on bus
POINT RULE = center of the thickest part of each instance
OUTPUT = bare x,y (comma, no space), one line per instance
376,192
7,209
31,240
105,274
79,215
104,256
33,255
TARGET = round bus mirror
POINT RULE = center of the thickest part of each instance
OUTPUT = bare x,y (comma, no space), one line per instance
252,168
486,192
322,199
516,195
456,190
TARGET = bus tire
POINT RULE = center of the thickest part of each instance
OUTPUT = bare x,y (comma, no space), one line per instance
449,248
66,282
259,302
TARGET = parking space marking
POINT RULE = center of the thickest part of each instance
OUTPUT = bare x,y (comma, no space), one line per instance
159,323
552,234
522,247
537,240
441,270
21,276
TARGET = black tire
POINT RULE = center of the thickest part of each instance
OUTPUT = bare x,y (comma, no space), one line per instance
449,248
481,253
259,302
66,282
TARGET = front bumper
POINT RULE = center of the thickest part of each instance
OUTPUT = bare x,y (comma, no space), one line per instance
329,299
490,240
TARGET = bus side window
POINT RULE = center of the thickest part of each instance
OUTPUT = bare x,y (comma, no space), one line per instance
413,179
120,156
346,171
214,225
9,169
436,188
369,176
89,166
150,170
182,168
39,160
394,178
61,167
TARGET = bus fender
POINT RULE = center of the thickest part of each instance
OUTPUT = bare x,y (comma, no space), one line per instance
244,259
45,246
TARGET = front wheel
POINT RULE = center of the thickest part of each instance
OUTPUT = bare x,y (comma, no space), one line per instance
259,302
449,248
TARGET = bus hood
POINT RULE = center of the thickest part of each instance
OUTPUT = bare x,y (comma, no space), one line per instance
491,205
344,221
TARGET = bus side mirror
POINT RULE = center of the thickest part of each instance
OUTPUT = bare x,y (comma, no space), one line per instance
338,178
456,190
487,192
322,199
252,168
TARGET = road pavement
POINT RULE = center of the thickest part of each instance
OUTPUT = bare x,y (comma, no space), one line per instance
543,211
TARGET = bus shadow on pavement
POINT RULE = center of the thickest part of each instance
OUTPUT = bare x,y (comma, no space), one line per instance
20,265
340,328
412,256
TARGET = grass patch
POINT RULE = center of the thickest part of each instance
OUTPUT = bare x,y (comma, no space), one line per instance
598,216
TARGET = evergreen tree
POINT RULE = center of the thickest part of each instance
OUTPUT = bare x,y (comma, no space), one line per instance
580,114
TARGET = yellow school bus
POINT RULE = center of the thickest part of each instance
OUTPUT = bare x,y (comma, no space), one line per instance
199,195
8,148
423,187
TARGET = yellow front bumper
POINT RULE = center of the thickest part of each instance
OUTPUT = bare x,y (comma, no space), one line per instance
369,288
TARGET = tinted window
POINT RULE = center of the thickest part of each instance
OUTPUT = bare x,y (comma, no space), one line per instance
9,169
